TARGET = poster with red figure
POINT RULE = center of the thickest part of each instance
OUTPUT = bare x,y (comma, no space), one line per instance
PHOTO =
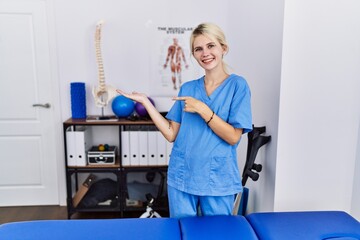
171,60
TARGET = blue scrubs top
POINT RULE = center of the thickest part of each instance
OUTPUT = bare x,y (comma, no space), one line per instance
201,163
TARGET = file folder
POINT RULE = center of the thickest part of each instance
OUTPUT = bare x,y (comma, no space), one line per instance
152,147
70,147
125,148
82,138
143,148
169,146
134,148
161,149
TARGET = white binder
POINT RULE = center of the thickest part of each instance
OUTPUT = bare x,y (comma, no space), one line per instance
70,147
152,147
143,148
169,146
161,149
77,144
134,148
125,148
82,144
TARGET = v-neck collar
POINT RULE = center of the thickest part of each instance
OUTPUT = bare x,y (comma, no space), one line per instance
215,92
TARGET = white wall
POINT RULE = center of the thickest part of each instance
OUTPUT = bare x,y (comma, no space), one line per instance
126,40
355,209
319,106
255,51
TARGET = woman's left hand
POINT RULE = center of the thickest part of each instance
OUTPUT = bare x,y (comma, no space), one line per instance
191,104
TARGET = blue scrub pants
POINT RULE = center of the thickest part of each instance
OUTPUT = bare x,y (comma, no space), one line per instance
183,204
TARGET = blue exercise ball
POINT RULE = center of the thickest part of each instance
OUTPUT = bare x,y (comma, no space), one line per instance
122,106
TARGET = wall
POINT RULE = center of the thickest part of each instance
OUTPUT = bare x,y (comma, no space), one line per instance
126,40
256,45
355,209
319,106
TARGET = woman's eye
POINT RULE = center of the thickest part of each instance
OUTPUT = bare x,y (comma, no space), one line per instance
211,46
197,49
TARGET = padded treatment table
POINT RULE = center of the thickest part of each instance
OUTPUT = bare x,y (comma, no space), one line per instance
329,225
321,225
100,229
217,228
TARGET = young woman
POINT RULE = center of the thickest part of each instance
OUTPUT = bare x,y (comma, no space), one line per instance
205,123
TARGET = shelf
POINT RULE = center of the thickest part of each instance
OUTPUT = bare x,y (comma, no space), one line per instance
73,172
98,209
131,209
125,168
120,121
97,166
145,168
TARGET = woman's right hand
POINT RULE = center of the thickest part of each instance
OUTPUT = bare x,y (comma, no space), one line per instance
138,97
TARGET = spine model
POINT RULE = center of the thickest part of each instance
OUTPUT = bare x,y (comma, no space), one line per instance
99,59
102,93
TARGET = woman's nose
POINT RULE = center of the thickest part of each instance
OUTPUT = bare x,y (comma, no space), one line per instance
205,52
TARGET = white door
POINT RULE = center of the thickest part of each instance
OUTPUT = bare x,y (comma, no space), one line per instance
28,172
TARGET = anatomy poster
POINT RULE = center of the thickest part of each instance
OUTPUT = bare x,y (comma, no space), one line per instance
171,61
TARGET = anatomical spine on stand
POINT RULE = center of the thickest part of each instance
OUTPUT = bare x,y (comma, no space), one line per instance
102,93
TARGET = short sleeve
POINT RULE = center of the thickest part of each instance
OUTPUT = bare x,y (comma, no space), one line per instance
240,111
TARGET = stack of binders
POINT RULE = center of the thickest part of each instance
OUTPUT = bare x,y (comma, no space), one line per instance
144,146
77,143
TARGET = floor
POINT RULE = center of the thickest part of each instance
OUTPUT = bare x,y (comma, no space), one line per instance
14,214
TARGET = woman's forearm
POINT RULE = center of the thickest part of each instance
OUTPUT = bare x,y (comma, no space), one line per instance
168,129
221,128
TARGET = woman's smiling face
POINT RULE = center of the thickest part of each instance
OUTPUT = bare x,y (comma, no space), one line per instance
208,52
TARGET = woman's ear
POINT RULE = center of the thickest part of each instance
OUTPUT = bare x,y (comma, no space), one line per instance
225,49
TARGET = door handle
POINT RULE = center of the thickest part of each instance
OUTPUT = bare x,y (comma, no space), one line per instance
46,105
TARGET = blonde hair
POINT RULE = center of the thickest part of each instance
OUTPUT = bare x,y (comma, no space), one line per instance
212,31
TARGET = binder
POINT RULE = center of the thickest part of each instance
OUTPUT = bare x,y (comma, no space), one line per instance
82,144
169,146
134,148
161,149
77,144
70,147
125,148
152,147
143,148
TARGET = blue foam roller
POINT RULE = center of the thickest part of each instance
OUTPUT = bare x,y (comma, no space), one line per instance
78,100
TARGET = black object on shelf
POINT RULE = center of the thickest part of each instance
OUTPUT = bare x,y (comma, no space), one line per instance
100,191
